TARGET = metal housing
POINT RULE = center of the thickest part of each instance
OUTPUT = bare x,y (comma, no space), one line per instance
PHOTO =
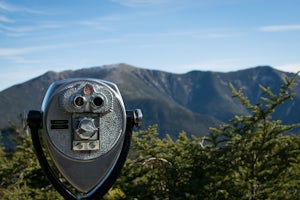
84,122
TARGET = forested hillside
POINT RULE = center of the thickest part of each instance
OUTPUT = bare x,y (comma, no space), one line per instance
250,157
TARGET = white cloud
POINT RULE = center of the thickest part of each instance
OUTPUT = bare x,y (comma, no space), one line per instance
10,52
7,7
104,22
5,19
135,3
17,31
280,28
17,51
96,25
289,67
16,8
221,65
10,26
197,34
13,51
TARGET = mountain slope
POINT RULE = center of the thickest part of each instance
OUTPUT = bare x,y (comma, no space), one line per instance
192,102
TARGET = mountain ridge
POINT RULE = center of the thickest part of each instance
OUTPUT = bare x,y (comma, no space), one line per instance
191,102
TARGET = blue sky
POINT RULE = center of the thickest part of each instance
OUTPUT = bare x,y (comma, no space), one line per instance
171,35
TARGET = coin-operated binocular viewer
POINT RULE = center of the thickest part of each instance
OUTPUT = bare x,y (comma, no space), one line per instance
82,136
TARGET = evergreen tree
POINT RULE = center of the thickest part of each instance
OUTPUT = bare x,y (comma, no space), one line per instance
161,168
254,156
20,174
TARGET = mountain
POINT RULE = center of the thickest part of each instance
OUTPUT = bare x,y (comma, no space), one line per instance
192,102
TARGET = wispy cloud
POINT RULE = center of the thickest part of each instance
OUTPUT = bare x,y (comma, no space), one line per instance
196,34
17,51
280,28
10,19
8,52
96,25
17,31
23,60
5,19
104,22
136,3
16,8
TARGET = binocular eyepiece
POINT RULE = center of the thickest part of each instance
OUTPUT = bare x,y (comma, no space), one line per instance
86,131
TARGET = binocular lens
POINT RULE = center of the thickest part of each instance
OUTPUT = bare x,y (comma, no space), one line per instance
98,101
78,101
